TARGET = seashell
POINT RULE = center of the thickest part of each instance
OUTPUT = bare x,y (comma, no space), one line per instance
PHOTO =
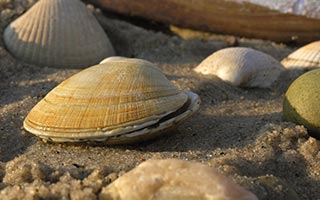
174,179
301,103
306,57
242,67
58,33
120,101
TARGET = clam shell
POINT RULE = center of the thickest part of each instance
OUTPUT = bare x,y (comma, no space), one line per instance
119,101
242,67
58,33
174,179
306,57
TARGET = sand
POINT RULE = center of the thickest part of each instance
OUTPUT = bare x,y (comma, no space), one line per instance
241,132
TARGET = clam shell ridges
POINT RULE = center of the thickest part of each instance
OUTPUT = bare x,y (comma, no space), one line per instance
58,33
109,96
241,66
307,56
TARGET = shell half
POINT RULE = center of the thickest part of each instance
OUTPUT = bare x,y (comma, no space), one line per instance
58,33
242,67
306,57
119,101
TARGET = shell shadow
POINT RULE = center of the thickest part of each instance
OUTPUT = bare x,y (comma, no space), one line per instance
13,141
15,105
208,132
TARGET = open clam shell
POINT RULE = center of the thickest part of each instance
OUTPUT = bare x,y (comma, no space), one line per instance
120,101
58,33
242,67
306,57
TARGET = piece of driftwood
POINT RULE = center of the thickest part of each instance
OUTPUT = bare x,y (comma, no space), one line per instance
277,20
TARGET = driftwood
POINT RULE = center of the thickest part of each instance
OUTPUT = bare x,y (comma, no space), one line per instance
280,21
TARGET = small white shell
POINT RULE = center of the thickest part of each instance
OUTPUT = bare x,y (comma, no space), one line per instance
242,67
306,57
58,33
120,101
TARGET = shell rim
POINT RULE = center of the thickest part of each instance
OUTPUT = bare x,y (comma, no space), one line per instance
133,131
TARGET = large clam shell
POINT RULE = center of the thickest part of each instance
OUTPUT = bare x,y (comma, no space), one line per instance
173,179
119,101
242,67
306,57
58,33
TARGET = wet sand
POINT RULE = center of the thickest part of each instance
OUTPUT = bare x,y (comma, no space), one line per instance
239,131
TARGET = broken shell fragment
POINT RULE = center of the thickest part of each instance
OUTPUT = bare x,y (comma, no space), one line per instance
174,179
120,101
58,33
242,67
306,57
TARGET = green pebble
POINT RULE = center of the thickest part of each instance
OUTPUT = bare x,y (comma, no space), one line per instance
302,102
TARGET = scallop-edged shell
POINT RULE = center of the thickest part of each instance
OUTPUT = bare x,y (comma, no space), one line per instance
58,33
306,57
120,101
173,179
242,67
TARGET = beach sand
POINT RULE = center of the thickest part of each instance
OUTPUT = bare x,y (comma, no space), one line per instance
241,132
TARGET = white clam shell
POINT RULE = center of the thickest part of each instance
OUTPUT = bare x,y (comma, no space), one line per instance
58,33
119,101
306,57
242,67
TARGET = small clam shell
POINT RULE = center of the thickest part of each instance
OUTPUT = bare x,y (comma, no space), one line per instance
174,179
306,57
242,67
58,33
119,101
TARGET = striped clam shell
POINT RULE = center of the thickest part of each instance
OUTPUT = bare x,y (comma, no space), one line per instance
242,67
120,101
306,57
58,33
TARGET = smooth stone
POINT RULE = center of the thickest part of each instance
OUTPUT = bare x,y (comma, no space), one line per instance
302,102
174,179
